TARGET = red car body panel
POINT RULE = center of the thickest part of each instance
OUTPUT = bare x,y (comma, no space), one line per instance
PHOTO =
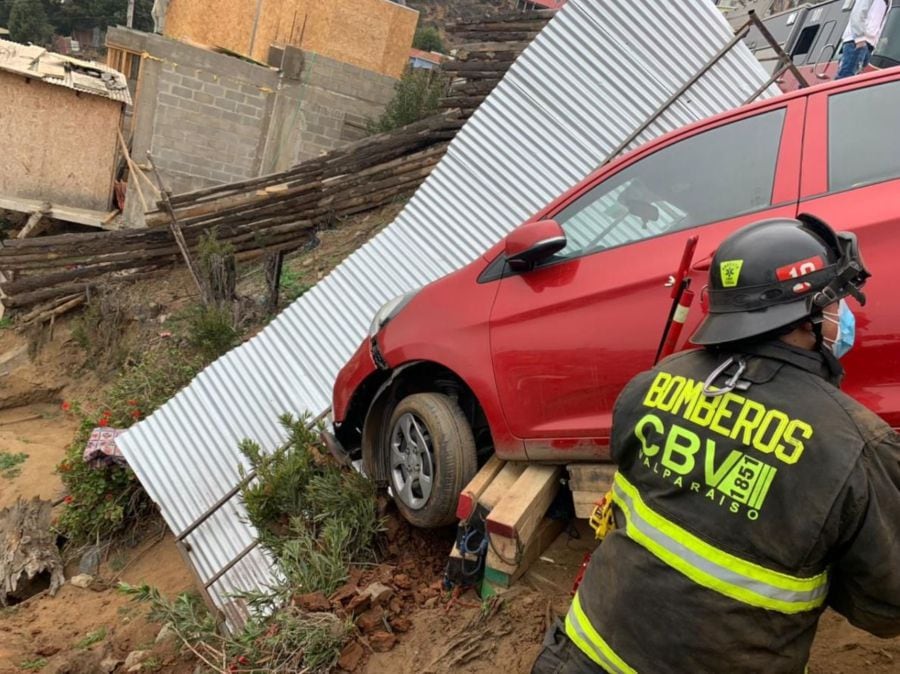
546,352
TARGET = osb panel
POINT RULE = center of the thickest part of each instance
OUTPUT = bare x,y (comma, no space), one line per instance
371,34
217,23
57,145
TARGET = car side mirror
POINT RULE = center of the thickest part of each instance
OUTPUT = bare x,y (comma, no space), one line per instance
533,242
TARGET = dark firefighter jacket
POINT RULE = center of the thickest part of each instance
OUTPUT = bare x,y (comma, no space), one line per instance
739,518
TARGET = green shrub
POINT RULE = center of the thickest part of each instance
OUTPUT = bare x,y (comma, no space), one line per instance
416,96
106,502
314,517
211,331
428,38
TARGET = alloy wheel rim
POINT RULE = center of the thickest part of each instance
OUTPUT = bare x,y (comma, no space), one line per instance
412,461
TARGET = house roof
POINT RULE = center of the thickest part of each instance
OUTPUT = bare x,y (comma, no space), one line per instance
430,56
64,71
550,4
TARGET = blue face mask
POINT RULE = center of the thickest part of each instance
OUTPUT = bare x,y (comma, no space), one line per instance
846,329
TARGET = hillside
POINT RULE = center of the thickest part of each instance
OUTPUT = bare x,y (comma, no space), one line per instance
439,12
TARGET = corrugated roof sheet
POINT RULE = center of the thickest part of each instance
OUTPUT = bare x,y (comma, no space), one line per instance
598,71
64,71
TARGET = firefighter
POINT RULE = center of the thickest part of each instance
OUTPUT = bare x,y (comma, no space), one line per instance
750,493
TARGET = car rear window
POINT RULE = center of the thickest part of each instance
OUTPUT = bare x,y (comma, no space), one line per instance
862,136
712,176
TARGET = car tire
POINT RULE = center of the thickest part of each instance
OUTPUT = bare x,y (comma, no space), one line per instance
430,457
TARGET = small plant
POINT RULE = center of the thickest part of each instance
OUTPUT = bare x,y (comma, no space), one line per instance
33,665
91,638
100,330
10,464
291,285
217,270
151,664
5,323
416,96
289,640
211,331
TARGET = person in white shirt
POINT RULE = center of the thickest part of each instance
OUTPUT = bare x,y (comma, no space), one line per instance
861,36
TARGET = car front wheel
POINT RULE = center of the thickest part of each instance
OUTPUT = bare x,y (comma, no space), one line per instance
430,458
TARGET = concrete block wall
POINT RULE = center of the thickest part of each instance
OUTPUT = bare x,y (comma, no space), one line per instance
337,99
208,128
211,119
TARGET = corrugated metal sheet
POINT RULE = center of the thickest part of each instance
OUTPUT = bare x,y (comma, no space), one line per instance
64,71
593,76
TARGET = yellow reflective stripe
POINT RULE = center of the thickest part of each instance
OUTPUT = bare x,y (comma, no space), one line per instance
742,566
580,631
716,569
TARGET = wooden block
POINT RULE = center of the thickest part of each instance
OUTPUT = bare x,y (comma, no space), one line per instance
591,476
585,502
501,484
504,574
518,514
473,491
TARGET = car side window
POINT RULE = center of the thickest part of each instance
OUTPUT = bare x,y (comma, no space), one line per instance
714,175
862,131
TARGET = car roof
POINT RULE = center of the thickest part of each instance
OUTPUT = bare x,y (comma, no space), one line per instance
715,120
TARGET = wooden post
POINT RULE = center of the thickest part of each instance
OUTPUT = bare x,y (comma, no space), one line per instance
36,223
166,195
274,264
129,17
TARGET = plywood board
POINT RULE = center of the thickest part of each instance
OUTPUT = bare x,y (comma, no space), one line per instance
57,145
372,34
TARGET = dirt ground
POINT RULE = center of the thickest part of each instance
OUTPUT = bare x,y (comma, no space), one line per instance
77,629
54,634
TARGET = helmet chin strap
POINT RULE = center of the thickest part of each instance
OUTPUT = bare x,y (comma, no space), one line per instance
835,369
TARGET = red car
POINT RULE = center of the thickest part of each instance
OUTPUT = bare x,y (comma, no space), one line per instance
524,351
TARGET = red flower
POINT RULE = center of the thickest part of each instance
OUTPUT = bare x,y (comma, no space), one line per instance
104,421
65,406
135,414
67,500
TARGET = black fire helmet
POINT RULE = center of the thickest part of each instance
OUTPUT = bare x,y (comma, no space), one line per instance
774,273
